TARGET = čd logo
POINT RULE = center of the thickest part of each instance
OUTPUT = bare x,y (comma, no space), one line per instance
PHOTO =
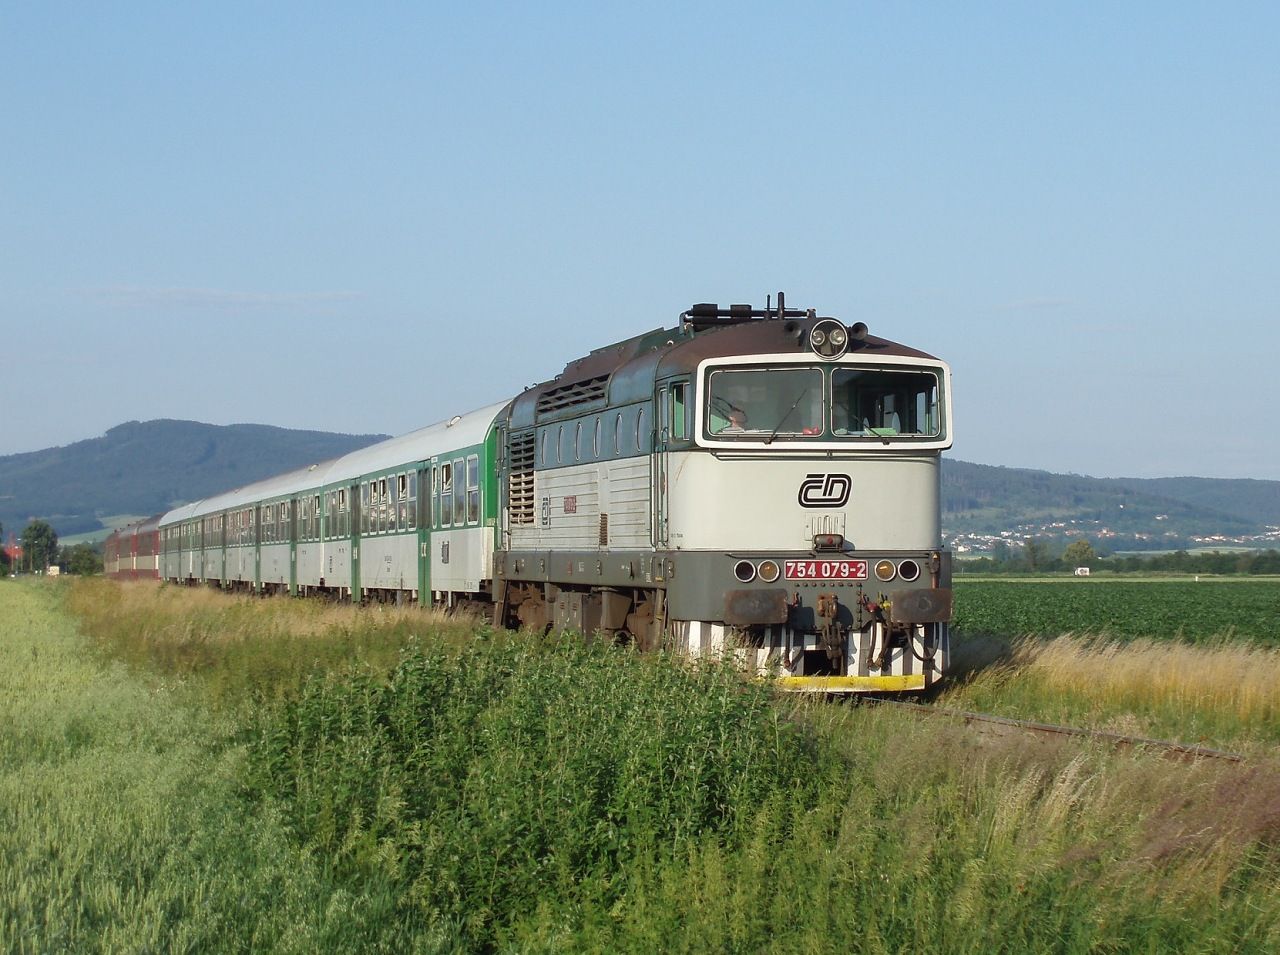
825,490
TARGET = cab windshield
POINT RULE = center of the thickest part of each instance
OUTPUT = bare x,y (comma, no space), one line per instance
822,403
765,402
881,403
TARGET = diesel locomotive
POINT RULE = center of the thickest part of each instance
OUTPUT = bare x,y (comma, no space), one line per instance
754,482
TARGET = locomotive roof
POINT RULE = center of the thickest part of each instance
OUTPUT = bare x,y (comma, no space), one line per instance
625,372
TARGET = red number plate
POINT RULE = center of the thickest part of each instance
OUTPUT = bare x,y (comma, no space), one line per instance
825,569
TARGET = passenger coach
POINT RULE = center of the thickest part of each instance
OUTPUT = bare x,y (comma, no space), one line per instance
410,519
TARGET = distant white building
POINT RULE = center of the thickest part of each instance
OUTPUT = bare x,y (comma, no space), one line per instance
1082,571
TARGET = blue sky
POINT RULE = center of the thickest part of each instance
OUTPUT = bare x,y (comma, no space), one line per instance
366,220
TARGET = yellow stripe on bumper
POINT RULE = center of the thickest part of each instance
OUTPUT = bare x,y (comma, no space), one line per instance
851,684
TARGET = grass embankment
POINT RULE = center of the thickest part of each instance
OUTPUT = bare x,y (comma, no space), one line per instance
503,793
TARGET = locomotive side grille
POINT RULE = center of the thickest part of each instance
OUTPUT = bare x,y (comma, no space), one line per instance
521,499
570,396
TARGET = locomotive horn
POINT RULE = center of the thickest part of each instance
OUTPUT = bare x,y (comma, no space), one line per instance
858,331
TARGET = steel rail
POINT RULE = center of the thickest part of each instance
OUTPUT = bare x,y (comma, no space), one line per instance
1173,749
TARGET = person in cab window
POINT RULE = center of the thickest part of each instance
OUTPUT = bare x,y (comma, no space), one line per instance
734,421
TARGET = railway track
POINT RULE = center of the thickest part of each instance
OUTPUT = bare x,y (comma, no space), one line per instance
1168,748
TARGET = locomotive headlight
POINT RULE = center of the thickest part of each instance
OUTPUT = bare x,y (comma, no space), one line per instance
745,571
768,571
828,339
885,570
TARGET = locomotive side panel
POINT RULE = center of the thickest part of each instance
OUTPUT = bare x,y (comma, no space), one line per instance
772,504
605,504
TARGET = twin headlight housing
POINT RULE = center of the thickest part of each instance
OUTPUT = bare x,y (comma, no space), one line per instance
829,339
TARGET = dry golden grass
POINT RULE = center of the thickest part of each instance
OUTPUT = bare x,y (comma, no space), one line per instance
155,606
237,644
1241,680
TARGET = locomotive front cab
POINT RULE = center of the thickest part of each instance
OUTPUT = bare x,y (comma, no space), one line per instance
805,513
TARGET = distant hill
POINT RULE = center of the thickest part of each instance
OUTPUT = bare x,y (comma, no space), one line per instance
148,467
1248,499
142,468
1142,513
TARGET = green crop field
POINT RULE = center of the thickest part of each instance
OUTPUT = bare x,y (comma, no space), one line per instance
1246,609
186,771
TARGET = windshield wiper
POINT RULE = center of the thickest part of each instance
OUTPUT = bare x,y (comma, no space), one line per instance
774,433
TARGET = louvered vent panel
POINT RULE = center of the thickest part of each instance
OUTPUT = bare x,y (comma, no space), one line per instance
521,489
570,396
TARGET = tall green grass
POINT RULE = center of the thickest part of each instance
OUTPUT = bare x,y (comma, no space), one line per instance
123,826
430,793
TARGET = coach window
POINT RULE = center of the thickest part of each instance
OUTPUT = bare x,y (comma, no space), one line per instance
473,488
343,527
459,493
433,512
411,500
386,517
446,494
366,498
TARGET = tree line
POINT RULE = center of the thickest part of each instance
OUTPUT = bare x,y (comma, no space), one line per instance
1045,556
40,551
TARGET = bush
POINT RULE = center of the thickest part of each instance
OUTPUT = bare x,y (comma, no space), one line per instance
513,775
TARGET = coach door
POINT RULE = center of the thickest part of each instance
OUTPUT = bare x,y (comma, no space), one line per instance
425,505
293,546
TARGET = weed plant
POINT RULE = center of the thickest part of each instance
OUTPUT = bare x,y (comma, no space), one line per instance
516,775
